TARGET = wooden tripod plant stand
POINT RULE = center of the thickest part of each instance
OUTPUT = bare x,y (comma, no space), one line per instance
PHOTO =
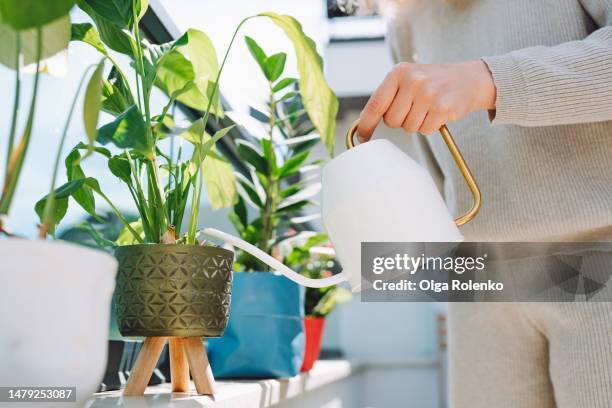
186,354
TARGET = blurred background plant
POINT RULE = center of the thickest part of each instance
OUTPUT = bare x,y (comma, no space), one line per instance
30,33
315,258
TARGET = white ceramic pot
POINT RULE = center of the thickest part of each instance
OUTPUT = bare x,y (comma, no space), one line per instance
55,301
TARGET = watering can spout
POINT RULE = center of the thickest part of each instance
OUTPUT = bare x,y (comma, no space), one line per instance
393,213
272,262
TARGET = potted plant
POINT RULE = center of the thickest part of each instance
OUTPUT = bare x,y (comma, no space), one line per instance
265,333
315,258
167,284
55,319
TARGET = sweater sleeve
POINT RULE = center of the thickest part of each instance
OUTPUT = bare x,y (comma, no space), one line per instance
565,84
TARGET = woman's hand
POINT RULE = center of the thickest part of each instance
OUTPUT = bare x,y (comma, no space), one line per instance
423,97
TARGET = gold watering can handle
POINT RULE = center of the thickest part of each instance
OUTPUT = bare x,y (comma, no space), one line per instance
457,156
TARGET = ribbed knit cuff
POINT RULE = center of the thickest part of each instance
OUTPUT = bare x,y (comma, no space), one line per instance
511,105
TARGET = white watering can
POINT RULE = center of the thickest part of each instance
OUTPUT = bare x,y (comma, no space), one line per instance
375,193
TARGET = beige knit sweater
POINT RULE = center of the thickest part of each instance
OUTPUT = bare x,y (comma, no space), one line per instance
544,160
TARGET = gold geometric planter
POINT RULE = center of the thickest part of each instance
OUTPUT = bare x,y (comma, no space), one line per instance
173,290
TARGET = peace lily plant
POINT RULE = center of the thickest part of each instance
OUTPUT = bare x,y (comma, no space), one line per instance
44,282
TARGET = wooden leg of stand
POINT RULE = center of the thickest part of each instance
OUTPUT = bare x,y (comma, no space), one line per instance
145,364
198,364
179,368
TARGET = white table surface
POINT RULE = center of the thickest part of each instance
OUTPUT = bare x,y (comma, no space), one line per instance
236,393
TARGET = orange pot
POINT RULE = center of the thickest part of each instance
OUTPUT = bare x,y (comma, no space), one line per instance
313,326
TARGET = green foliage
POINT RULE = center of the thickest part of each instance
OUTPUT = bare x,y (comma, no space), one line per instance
160,183
188,69
92,105
117,11
319,301
25,14
273,187
318,98
112,34
116,94
88,34
103,231
127,131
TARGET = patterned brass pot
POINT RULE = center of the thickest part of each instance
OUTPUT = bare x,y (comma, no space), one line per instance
173,290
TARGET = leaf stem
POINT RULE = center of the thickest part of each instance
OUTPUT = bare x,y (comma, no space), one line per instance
121,217
16,99
151,162
195,207
18,156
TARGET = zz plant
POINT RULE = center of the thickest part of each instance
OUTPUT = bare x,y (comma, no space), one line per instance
162,184
274,187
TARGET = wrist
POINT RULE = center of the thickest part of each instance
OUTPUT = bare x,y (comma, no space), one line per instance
486,92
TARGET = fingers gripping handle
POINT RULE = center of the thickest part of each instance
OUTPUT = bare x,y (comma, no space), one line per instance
272,262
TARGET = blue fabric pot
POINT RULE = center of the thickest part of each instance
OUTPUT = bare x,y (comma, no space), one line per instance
265,334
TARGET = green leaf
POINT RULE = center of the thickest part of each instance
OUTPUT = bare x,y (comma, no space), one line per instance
91,106
112,35
192,59
235,220
88,34
283,83
256,52
293,207
55,38
142,6
250,193
127,131
116,96
202,150
251,156
275,64
241,211
195,133
120,167
118,12
288,95
220,181
60,201
268,152
90,231
304,146
101,150
292,165
330,300
25,14
319,100
127,238
74,172
59,208
289,191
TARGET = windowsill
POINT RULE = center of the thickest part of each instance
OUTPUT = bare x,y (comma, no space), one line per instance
235,393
